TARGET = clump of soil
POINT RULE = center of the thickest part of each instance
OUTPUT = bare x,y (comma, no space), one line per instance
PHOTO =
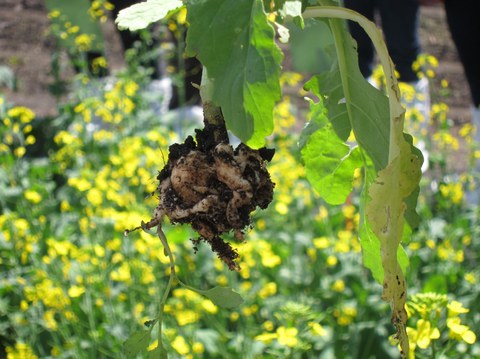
214,187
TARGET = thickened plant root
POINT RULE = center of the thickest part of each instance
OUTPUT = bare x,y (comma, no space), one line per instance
214,187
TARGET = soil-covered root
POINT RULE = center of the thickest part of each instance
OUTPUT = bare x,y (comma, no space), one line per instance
214,188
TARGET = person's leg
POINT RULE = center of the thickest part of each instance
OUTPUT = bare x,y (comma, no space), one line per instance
400,21
364,45
464,22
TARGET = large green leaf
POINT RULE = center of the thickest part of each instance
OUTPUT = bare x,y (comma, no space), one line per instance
354,104
235,42
330,165
139,16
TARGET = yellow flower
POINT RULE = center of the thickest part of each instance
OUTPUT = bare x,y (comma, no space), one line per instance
317,329
49,320
122,274
338,285
345,315
198,348
270,260
32,196
30,140
23,305
84,42
455,308
287,336
208,306
76,291
281,208
470,278
332,261
73,29
19,151
23,113
185,317
266,337
321,242
247,311
460,332
180,345
268,290
268,325
94,196
453,191
425,333
20,351
54,14
130,88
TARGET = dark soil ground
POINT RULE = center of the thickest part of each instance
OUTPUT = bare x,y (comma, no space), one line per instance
26,48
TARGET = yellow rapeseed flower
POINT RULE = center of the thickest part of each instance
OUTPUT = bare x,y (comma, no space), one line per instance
338,285
180,345
454,191
287,336
49,320
317,329
460,332
198,348
20,351
185,317
455,308
208,306
54,14
321,242
76,291
332,261
268,290
266,338
32,196
23,113
19,151
84,42
470,278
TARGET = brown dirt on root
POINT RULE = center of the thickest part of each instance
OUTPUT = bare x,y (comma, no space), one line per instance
214,188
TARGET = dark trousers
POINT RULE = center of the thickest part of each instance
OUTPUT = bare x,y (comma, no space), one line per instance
400,19
463,17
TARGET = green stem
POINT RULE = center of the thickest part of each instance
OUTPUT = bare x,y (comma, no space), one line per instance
206,87
376,36
168,251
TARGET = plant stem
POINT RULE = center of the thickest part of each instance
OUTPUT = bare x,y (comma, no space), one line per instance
166,247
376,36
212,114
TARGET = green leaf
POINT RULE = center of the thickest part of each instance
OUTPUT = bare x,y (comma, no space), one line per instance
330,165
358,106
235,42
137,343
157,353
224,297
372,258
139,16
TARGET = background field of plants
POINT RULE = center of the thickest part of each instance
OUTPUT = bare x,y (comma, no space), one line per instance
73,286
